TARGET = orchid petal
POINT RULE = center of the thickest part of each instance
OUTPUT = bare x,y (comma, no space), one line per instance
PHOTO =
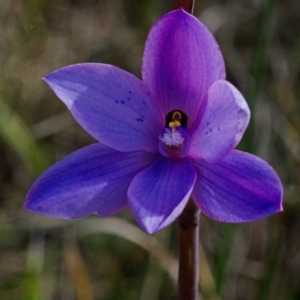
159,193
222,124
110,104
181,60
93,179
239,188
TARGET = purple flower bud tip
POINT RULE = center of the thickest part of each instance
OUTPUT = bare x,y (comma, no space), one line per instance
164,139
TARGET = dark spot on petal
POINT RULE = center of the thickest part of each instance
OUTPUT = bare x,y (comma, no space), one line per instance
129,92
117,101
207,123
206,132
128,98
144,102
122,102
210,130
139,119
218,129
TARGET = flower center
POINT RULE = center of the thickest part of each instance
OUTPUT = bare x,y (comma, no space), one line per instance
175,139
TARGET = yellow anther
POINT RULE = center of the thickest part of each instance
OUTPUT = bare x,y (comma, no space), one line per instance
174,123
175,119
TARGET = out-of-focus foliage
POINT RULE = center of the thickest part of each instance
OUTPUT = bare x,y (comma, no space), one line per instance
110,258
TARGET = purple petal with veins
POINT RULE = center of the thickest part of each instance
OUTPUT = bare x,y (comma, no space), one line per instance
163,139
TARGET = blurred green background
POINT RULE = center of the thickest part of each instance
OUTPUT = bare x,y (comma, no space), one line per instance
112,259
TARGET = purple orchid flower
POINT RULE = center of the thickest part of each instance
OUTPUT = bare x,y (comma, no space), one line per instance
163,140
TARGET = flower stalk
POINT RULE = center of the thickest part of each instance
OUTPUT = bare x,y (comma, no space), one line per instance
187,5
188,277
189,220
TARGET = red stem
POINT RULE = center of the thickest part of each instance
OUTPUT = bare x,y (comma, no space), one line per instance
187,5
188,277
